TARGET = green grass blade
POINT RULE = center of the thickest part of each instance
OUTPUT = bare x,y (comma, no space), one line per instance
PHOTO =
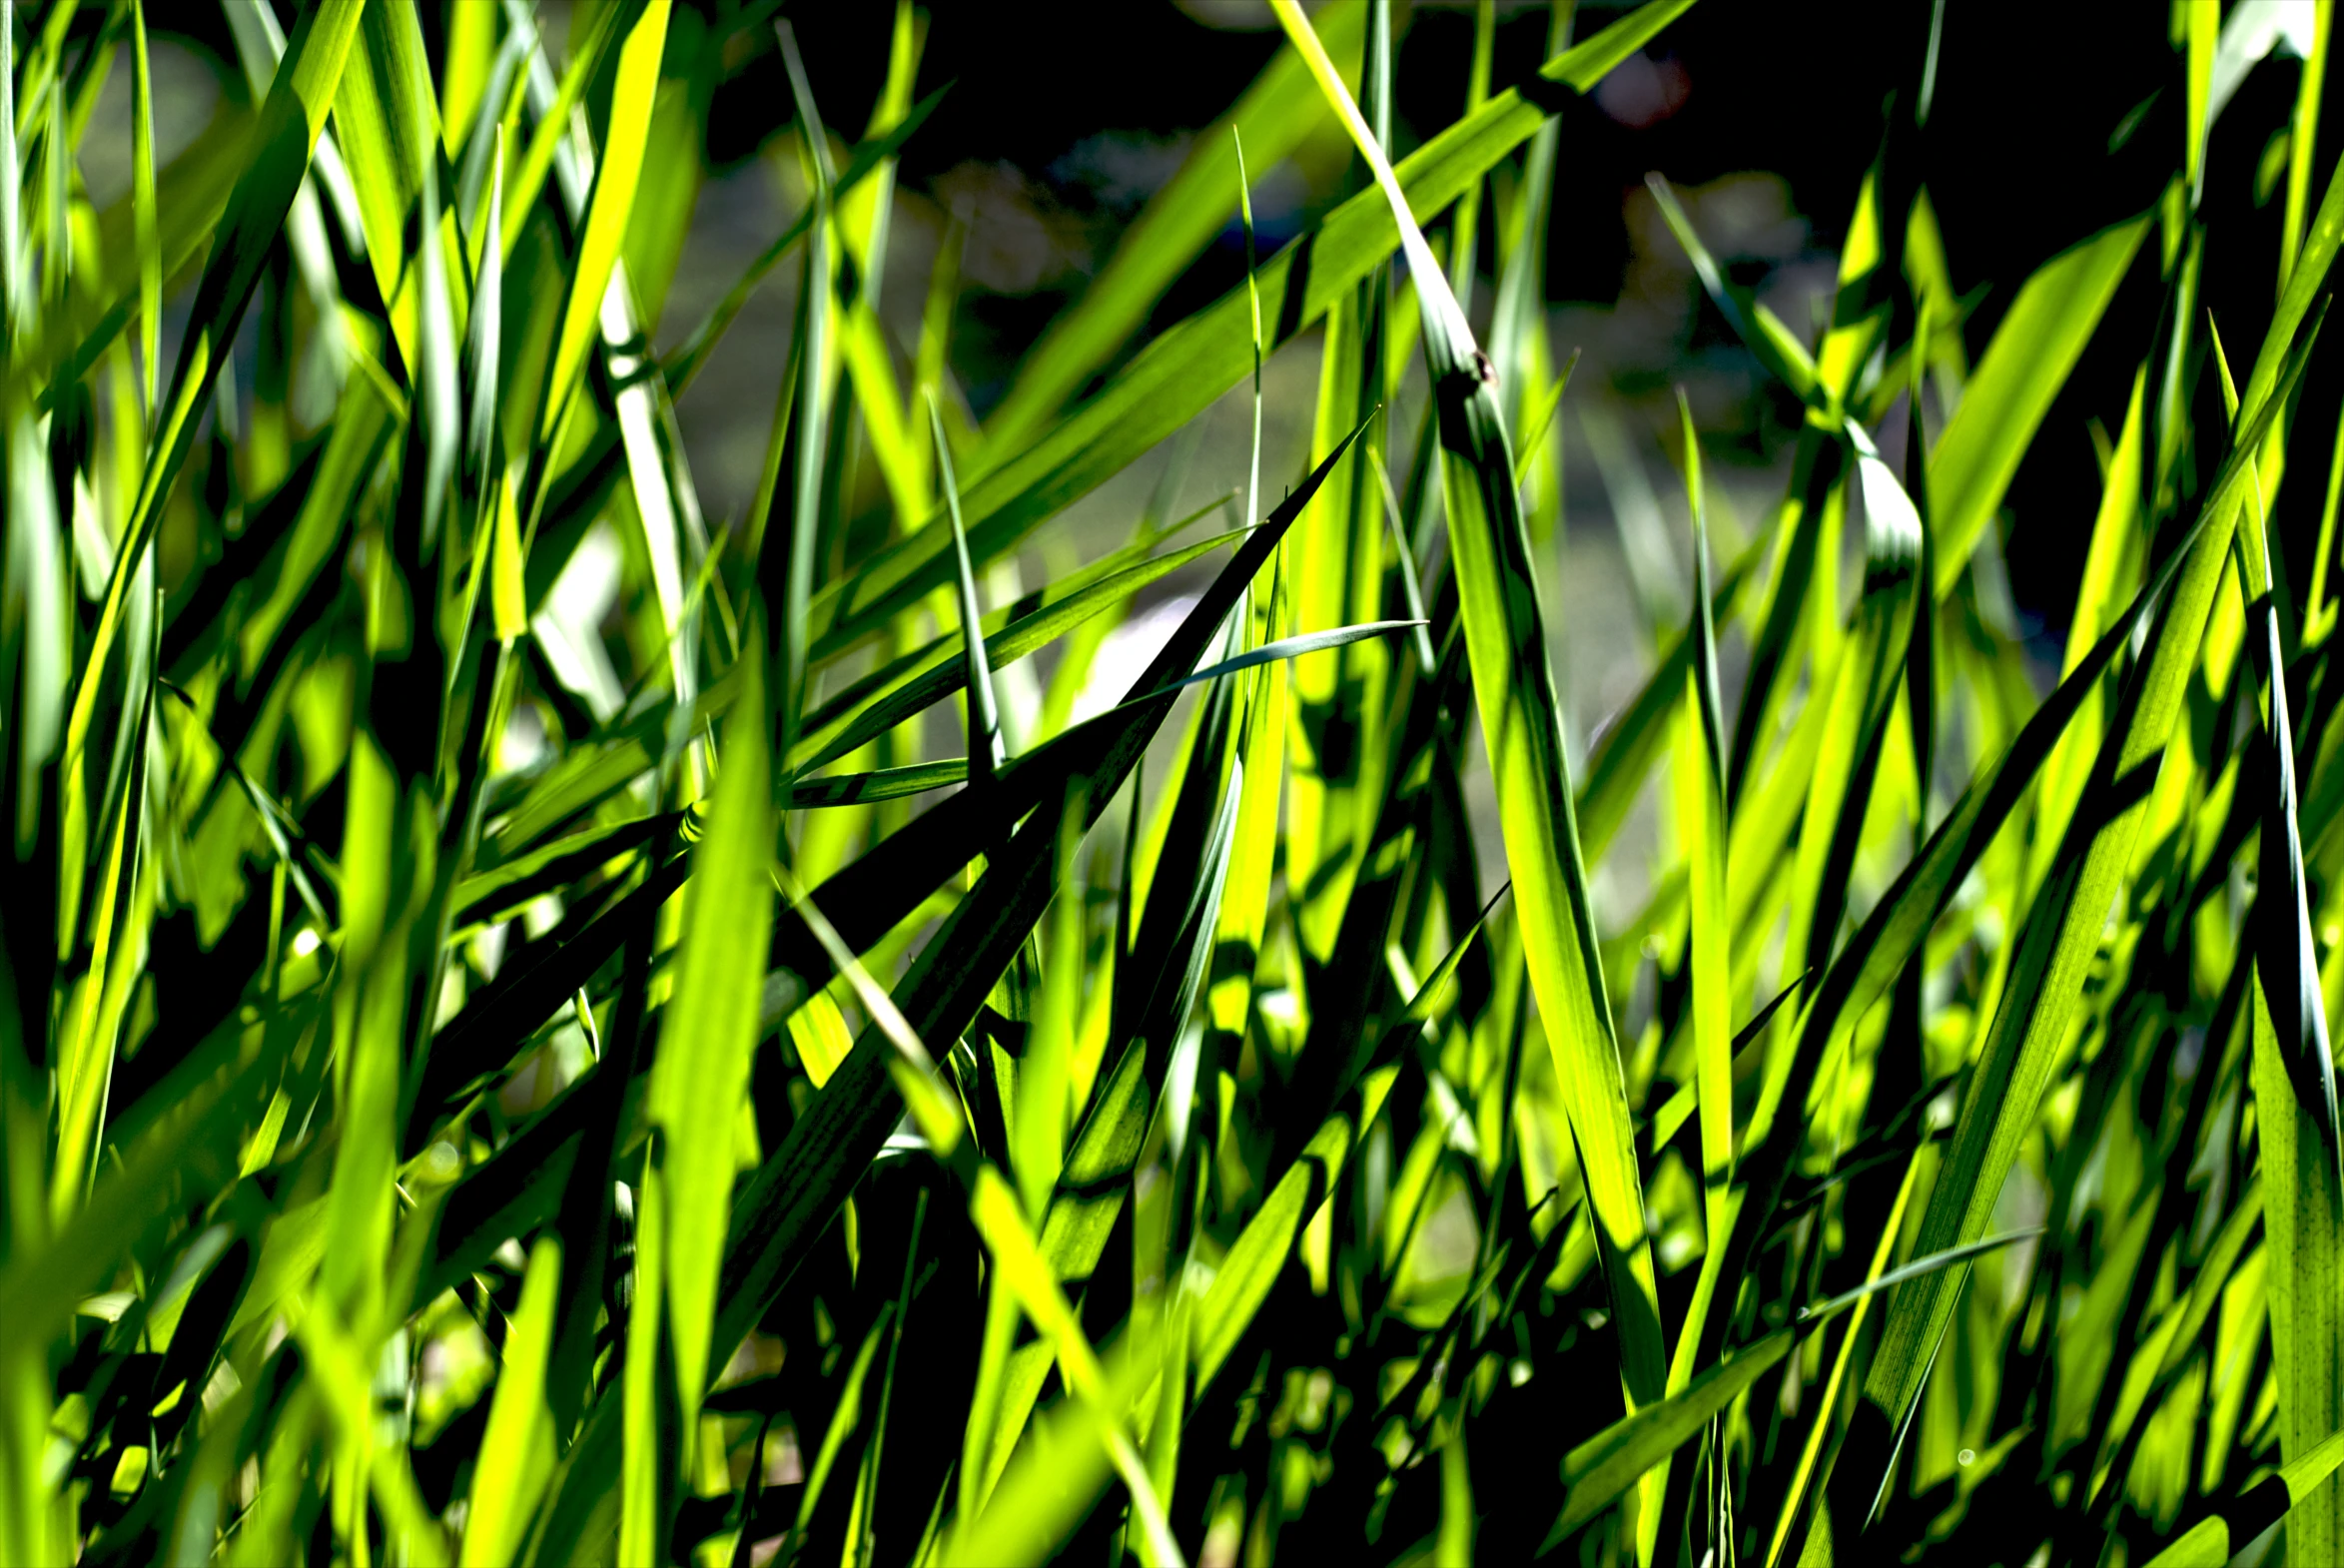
148,235
985,751
517,1451
2240,1520
1703,829
2054,316
802,1182
387,123
1288,648
618,171
2295,1098
867,158
887,698
1260,1252
711,1028
1778,349
1522,722
1629,744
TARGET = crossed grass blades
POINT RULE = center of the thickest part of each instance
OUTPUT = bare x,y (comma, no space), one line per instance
482,1086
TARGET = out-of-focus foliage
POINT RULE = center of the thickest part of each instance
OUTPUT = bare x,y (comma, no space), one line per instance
520,1041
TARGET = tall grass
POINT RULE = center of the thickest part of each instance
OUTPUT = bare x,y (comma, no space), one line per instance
486,1081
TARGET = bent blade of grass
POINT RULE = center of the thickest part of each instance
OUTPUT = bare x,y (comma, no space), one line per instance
2236,1523
2295,1085
1776,346
1893,932
1863,692
1513,682
1185,369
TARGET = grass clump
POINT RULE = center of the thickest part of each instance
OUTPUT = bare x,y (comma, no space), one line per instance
482,1082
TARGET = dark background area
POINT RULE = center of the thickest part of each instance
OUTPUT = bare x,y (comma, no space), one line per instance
2017,158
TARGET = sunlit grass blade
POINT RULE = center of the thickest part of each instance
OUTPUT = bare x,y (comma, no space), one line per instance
985,752
1703,828
1521,723
617,171
2040,338
517,1453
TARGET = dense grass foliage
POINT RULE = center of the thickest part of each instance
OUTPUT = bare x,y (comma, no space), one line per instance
488,1080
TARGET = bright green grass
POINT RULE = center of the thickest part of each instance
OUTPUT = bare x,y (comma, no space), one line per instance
482,1086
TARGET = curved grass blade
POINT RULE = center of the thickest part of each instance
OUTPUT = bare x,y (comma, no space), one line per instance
2214,1540
2294,1080
1513,683
1778,349
1899,922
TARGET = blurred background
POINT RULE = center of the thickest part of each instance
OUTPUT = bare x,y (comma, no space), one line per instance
1062,119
